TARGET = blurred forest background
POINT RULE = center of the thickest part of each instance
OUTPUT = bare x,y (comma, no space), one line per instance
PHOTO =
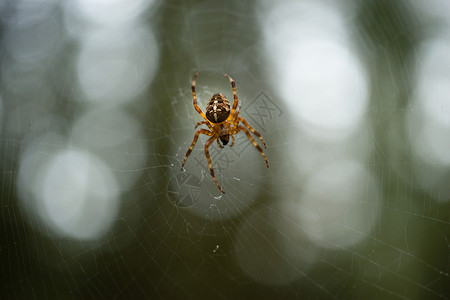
96,115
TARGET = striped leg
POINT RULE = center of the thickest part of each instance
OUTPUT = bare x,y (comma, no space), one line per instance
235,119
252,130
253,142
206,123
203,131
195,98
235,103
208,158
218,143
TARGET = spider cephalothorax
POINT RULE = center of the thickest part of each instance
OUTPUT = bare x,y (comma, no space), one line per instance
222,123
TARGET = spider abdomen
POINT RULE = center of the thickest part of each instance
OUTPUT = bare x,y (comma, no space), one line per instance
217,109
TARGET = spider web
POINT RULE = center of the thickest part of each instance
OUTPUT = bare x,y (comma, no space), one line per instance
96,117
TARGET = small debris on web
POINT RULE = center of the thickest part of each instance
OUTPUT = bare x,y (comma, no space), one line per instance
217,248
218,197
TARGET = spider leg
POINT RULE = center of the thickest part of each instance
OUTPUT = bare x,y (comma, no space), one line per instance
203,131
204,122
234,120
252,130
252,140
235,103
218,143
234,124
198,109
208,158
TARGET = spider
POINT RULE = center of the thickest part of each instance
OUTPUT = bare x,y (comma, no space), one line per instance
222,124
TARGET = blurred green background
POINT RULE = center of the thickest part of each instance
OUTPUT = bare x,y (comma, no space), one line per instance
96,115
